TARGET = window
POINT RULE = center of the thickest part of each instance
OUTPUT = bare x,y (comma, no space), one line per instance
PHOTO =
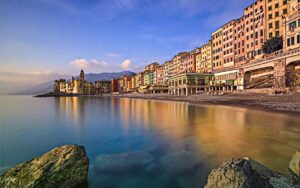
288,42
270,25
284,11
298,39
293,25
277,24
270,35
284,2
292,40
276,5
270,8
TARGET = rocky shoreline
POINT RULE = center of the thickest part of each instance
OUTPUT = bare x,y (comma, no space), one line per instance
67,166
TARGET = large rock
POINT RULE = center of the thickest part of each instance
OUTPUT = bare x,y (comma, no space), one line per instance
65,166
246,173
294,167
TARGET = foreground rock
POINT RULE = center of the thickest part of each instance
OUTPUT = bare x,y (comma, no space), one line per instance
294,167
246,173
65,166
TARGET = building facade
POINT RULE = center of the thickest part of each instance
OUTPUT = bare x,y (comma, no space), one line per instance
292,27
217,49
255,29
276,12
239,42
228,44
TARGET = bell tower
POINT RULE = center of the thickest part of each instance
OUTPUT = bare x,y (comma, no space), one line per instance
81,77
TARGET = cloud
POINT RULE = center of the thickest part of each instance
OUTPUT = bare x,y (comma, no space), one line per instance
86,64
126,64
96,66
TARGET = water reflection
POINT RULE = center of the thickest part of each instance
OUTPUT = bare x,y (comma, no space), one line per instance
220,132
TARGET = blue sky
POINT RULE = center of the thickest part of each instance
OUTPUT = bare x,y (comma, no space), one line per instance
48,38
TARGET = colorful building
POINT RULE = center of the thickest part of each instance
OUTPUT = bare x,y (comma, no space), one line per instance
217,49
292,27
205,64
228,44
276,12
255,29
239,42
189,84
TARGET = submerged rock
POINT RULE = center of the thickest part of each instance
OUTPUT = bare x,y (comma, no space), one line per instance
246,173
123,161
181,161
294,167
65,166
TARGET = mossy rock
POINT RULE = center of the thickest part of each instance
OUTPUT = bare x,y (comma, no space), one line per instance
65,166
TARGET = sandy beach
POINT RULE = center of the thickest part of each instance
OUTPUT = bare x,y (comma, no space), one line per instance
289,103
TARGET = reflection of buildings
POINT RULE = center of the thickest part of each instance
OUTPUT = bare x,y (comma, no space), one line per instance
71,109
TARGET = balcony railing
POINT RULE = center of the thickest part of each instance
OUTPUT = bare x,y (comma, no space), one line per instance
278,54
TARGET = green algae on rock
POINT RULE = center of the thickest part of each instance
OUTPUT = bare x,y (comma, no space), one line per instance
65,166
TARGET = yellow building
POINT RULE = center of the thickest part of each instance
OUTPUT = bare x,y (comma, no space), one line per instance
205,64
276,11
197,55
217,49
292,26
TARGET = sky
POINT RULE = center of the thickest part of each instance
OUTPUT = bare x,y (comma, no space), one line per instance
42,40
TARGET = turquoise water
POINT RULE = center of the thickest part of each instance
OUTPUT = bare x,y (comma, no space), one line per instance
144,143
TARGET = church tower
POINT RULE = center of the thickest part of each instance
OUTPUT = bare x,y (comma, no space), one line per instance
81,76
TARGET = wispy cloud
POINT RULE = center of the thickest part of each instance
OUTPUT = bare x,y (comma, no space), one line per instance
96,66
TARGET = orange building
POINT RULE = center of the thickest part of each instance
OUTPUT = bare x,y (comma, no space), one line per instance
228,44
239,42
255,29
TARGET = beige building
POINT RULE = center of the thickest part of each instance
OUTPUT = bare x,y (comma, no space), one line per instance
166,71
217,49
276,11
152,66
197,58
292,27
205,64
176,66
159,75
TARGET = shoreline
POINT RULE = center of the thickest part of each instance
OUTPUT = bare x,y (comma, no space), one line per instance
288,104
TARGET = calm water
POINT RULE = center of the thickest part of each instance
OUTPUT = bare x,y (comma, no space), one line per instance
145,143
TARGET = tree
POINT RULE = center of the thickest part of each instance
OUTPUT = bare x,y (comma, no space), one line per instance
272,45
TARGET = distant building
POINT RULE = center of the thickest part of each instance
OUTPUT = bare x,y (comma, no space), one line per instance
152,66
189,84
114,85
103,87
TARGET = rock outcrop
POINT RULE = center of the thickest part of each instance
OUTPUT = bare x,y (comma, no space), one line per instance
65,166
294,167
246,173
